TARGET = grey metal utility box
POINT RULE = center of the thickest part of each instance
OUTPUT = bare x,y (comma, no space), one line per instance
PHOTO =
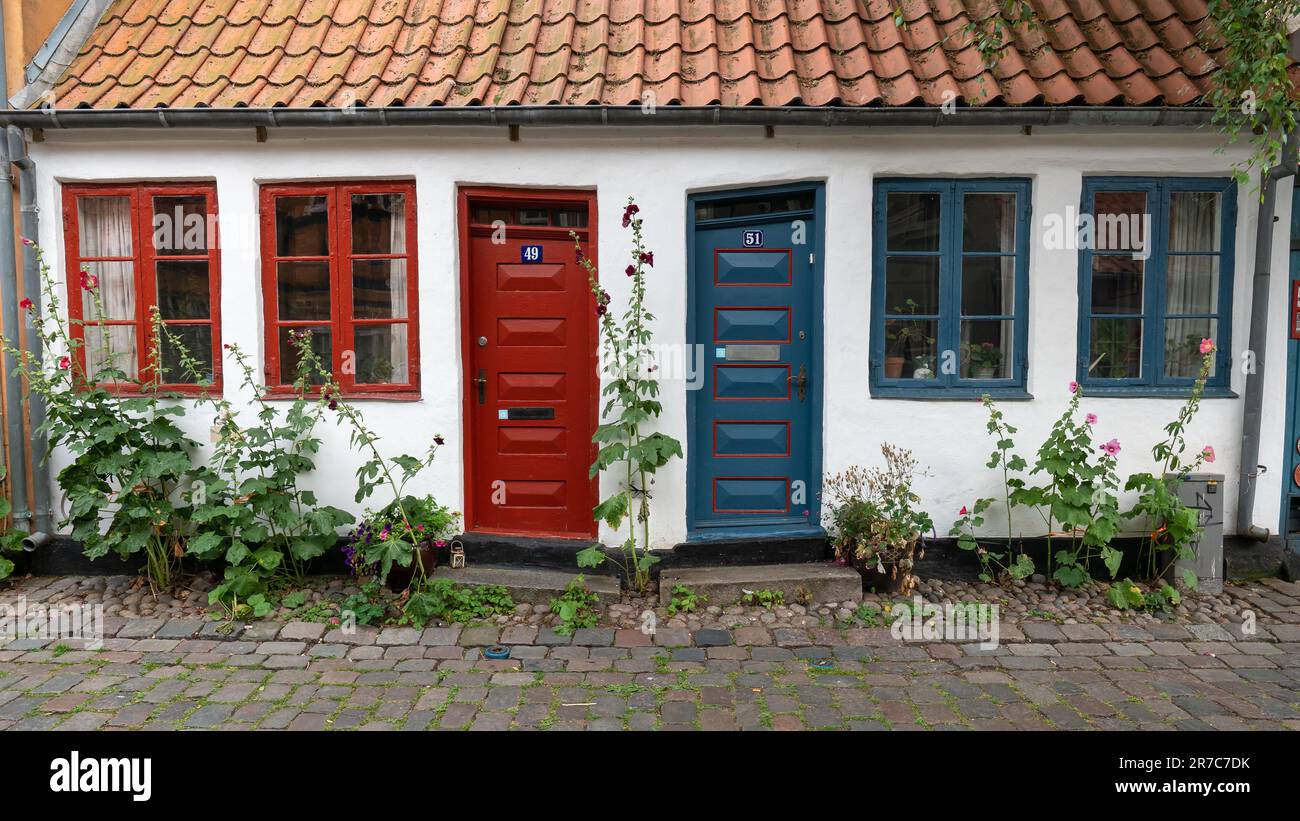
1204,492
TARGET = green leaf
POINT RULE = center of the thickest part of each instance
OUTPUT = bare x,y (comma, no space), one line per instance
237,552
1111,558
1190,580
590,556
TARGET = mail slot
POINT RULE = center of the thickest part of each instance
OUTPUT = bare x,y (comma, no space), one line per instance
529,413
753,353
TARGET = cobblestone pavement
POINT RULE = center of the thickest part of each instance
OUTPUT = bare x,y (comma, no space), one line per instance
188,674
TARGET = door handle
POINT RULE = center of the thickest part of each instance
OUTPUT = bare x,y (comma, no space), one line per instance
481,382
800,382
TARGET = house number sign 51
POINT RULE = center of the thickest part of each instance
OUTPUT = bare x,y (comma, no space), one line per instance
752,239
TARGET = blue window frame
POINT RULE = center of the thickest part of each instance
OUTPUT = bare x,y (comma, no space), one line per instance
950,288
1155,278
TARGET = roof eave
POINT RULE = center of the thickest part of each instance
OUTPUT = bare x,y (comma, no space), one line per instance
552,115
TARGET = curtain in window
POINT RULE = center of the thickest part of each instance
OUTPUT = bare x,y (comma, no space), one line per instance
1192,282
397,340
104,230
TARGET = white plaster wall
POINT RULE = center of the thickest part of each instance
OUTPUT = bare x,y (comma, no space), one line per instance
660,167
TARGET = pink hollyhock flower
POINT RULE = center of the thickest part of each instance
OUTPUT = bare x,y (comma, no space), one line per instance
64,363
89,281
1208,453
963,511
1091,419
28,241
1112,447
1074,386
26,304
1207,345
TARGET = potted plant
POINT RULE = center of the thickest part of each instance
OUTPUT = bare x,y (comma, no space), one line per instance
985,359
874,520
400,542
906,336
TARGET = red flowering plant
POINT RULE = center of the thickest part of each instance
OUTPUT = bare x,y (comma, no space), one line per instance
128,483
1171,526
627,450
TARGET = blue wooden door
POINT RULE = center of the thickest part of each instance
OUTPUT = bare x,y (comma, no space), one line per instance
1291,480
754,445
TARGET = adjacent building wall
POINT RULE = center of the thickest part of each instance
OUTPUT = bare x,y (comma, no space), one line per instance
661,167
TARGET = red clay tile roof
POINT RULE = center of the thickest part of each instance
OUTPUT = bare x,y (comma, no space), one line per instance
300,53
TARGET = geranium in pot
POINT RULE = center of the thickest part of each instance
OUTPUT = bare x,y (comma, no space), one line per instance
874,520
400,542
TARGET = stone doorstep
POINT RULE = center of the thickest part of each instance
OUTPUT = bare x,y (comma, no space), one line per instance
724,585
531,585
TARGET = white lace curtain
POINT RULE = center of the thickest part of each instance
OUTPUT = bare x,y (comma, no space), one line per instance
1192,283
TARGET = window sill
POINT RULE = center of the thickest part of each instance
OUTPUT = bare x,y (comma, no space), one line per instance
958,394
1149,392
286,395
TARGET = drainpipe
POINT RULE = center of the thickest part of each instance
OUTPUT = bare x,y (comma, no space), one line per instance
17,467
42,510
1249,466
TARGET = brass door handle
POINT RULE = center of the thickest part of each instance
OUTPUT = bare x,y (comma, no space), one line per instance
800,382
481,381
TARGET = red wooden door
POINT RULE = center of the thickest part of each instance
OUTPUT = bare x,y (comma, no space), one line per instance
530,355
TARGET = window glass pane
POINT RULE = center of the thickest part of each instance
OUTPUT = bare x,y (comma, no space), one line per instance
534,216
104,226
379,289
1183,346
180,225
115,290
913,221
751,206
1116,349
111,346
379,223
183,289
912,285
304,290
571,218
381,354
1194,220
1192,285
1117,285
988,286
486,215
302,227
987,349
911,350
321,346
1120,222
989,222
192,340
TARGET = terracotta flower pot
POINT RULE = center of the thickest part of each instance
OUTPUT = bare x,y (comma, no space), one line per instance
894,366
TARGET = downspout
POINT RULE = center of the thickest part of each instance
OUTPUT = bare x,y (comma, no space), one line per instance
1249,466
17,466
42,510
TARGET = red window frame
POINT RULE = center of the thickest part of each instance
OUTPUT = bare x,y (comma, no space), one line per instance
340,258
143,259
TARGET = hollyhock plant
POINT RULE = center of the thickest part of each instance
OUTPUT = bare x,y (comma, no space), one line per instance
1112,447
627,452
1074,386
1207,453
89,281
1091,419
1207,345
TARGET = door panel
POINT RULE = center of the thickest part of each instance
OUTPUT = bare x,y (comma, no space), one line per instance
752,461
530,374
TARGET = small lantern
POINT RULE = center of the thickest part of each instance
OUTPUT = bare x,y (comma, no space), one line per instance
457,555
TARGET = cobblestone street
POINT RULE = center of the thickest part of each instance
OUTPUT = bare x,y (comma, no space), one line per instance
191,674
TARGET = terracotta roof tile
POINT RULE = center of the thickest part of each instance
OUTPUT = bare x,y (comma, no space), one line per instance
300,53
